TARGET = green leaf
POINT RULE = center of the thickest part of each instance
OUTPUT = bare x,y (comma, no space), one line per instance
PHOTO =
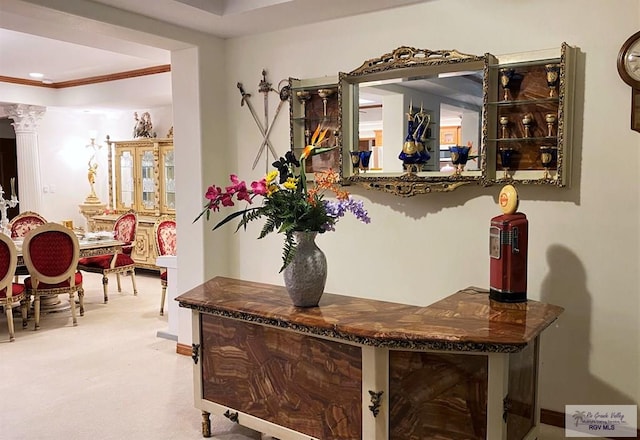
289,250
230,217
206,210
319,150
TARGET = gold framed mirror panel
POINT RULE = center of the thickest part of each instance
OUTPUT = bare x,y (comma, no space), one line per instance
415,91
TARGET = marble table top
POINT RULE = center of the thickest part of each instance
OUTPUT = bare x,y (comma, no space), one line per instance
464,321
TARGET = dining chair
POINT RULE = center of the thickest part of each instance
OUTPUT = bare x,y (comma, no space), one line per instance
124,229
25,222
51,255
164,232
10,292
19,226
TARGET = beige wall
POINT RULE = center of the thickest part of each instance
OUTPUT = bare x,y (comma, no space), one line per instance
584,241
584,248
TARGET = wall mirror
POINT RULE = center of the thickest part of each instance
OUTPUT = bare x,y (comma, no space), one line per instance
413,121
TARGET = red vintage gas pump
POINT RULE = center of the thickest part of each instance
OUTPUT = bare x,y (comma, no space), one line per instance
508,239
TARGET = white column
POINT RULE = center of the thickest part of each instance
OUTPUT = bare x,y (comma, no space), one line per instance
25,123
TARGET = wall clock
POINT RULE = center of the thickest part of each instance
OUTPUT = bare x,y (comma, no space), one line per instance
629,70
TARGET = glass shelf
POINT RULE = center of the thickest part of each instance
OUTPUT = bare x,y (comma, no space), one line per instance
554,60
527,139
319,119
550,100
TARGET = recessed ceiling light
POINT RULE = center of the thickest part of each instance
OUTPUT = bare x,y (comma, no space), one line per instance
36,75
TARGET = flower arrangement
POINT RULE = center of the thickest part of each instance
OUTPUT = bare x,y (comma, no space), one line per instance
287,204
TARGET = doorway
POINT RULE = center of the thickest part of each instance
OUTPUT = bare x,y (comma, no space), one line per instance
8,169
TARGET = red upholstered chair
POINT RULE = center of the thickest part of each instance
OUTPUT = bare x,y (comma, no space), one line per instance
164,231
51,255
124,229
10,292
19,226
25,222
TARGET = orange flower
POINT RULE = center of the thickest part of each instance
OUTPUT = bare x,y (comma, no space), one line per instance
329,180
316,139
307,151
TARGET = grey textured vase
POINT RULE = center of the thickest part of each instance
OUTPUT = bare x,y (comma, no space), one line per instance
306,275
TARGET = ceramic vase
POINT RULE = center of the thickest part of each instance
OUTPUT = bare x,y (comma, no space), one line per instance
306,274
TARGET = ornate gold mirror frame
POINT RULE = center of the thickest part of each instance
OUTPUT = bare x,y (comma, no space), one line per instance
402,69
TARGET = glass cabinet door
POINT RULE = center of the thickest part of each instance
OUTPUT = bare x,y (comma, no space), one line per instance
125,175
144,172
147,180
167,180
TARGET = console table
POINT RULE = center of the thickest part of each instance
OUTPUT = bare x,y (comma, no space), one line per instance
464,367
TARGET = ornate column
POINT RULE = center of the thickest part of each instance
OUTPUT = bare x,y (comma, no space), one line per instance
25,123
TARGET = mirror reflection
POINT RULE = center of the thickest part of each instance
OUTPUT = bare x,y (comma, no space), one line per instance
414,115
438,113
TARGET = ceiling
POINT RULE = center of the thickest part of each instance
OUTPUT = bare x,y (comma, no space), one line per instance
64,48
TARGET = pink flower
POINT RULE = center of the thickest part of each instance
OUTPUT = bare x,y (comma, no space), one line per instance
243,194
214,205
213,193
237,184
260,187
226,199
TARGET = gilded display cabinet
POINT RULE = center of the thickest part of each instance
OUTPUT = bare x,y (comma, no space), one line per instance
452,119
314,103
531,118
141,179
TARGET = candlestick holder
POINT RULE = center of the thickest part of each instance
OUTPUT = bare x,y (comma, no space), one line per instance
4,205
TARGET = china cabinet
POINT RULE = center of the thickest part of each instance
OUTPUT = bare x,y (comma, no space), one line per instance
142,179
143,170
314,103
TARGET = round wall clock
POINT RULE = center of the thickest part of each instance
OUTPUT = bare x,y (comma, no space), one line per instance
629,70
629,61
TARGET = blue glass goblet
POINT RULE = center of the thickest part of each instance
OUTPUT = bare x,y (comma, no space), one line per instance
506,157
365,156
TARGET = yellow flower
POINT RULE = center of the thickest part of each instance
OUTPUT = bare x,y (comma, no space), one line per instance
271,177
272,189
291,183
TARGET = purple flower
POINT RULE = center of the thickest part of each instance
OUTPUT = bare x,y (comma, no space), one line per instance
338,208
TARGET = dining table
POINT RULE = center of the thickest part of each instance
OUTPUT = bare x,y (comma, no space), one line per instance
89,247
